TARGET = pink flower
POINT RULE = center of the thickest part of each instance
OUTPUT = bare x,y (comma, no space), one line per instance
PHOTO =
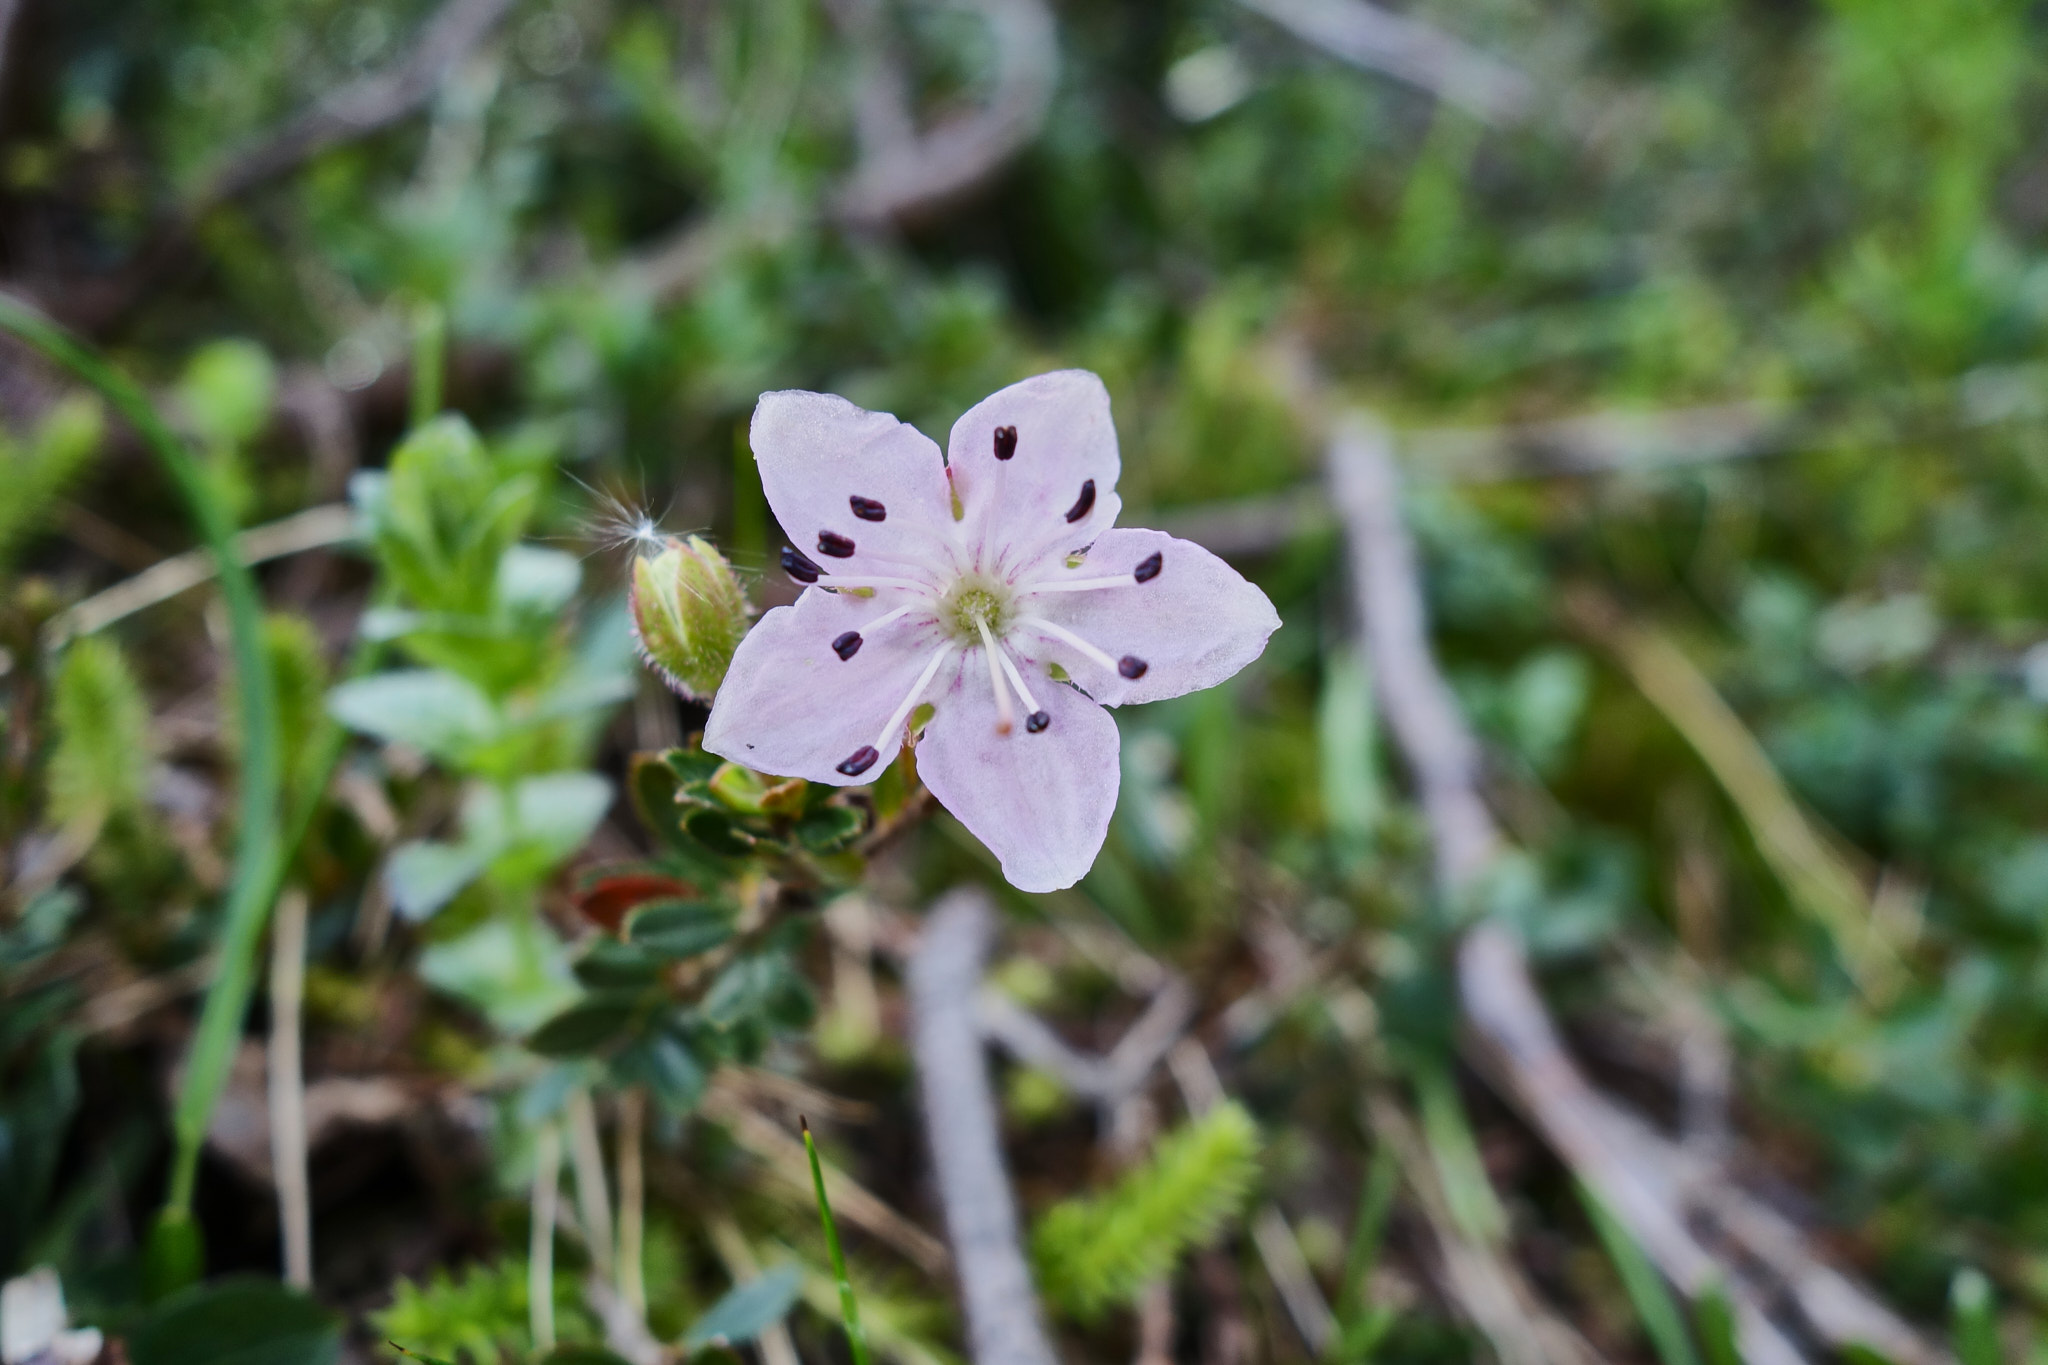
987,586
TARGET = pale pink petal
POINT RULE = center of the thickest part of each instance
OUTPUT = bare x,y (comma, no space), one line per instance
1057,490
1041,802
792,707
1194,622
838,476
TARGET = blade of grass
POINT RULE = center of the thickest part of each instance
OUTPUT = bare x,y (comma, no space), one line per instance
849,1310
259,854
1713,1318
1655,1307
1974,1311
1361,1323
1375,1203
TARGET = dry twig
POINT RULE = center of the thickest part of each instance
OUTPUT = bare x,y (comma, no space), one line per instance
1642,1179
287,1086
1374,39
904,174
313,529
1003,1319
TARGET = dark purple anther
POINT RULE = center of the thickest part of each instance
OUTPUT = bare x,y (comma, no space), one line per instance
867,509
847,645
1083,504
1148,570
1132,667
834,544
1037,721
798,565
1006,442
863,759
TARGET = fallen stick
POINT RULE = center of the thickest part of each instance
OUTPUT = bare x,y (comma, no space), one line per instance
313,529
1003,1320
1374,39
1493,975
1107,1079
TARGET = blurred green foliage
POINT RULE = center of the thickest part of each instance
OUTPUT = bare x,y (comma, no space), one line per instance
1835,209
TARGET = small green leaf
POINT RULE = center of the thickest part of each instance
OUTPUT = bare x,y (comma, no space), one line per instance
435,712
747,1310
664,1064
678,928
716,833
423,875
237,1322
588,1025
611,964
580,1355
829,829
743,990
534,580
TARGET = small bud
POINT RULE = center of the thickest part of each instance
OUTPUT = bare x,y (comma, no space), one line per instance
689,613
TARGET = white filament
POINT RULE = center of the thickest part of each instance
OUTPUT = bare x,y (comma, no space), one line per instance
1062,633
892,733
1005,718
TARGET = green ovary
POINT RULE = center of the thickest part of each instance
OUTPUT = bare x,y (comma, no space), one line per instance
972,603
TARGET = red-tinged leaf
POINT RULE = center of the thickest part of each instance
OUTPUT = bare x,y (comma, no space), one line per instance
607,901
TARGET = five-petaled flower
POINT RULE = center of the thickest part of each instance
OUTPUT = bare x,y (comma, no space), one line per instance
982,597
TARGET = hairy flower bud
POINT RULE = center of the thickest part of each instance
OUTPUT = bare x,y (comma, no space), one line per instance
689,613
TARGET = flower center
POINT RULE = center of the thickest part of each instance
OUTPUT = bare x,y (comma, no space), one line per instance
973,603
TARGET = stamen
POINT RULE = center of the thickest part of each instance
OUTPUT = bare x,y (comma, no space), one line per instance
1004,720
1132,667
799,566
1062,633
1039,717
893,731
834,544
867,509
861,760
833,580
886,617
848,645
1006,442
1148,569
1079,584
1084,504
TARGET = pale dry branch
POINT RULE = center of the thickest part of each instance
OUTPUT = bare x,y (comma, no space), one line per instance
1424,56
1003,1319
904,174
1483,1286
1365,487
287,1088
1642,1179
1819,881
1108,1079
593,1199
313,529
360,108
